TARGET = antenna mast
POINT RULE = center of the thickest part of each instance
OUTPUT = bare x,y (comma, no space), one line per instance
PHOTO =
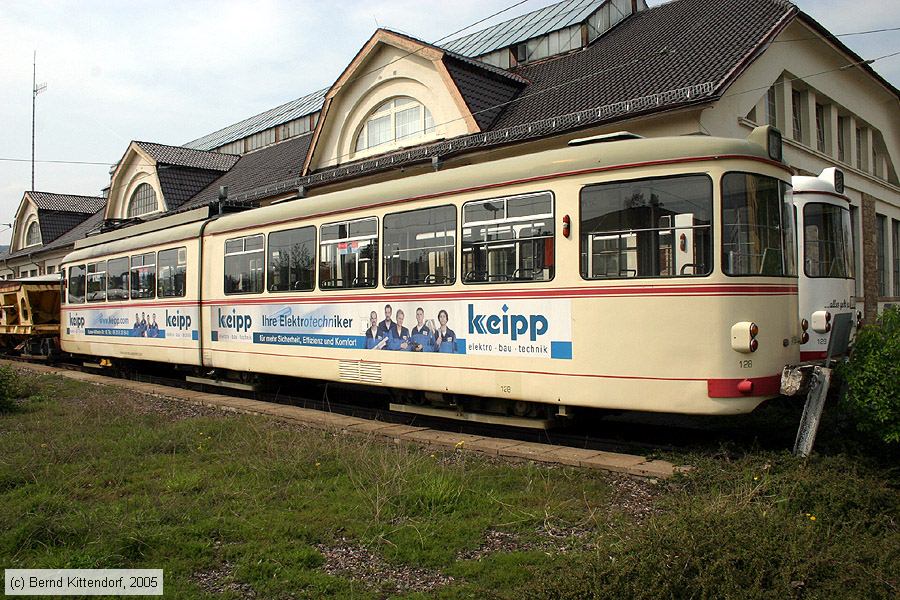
35,90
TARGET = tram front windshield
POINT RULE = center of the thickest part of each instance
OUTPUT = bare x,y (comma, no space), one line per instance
757,226
827,248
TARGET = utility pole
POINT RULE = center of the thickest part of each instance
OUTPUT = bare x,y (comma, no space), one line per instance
35,90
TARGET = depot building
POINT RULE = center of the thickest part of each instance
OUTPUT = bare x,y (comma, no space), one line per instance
573,69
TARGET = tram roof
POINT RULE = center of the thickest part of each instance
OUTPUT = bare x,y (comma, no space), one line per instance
515,169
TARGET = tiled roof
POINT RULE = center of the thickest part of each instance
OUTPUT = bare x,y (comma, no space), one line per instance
67,202
524,27
682,53
678,54
180,184
671,47
289,111
485,94
187,157
259,172
78,232
55,223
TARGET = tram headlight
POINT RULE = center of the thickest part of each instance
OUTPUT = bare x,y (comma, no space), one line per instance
821,321
804,337
743,337
804,324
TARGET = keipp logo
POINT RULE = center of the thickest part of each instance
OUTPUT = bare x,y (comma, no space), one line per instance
508,324
76,321
234,320
179,321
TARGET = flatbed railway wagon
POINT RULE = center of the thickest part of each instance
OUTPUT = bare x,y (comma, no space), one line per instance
617,273
826,283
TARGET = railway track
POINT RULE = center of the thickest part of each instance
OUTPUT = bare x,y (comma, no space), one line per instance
630,433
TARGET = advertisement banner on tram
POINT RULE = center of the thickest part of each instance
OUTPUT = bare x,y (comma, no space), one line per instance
502,327
178,323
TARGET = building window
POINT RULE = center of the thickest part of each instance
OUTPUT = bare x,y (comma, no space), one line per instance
841,139
859,149
143,201
857,253
895,226
419,246
881,244
796,109
398,121
647,228
292,260
244,264
820,127
508,239
33,234
771,107
348,254
172,265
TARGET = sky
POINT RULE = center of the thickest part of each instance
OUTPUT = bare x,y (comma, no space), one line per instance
170,71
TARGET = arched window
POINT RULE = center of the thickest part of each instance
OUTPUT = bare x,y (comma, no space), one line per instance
143,201
33,234
398,121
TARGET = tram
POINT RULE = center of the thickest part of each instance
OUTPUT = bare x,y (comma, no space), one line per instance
617,272
826,280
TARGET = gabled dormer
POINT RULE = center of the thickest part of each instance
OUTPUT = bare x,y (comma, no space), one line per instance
153,178
400,92
42,217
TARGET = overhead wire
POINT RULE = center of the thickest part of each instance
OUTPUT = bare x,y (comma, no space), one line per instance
563,84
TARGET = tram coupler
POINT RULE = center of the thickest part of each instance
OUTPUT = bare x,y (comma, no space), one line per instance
795,379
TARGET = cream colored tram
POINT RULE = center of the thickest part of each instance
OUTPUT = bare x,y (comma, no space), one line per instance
134,293
826,284
637,274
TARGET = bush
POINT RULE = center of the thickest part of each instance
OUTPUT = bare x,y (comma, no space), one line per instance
10,389
872,377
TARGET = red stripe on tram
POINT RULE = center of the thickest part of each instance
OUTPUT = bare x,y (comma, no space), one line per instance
746,387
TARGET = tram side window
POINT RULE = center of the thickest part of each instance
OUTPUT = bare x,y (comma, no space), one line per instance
419,247
348,254
757,226
827,247
508,239
76,284
292,256
117,279
171,273
96,281
244,264
143,275
647,228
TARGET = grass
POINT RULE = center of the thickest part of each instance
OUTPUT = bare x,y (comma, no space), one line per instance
234,505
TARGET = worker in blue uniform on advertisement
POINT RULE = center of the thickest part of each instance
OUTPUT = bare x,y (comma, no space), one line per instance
398,335
422,335
444,337
385,326
153,329
374,338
